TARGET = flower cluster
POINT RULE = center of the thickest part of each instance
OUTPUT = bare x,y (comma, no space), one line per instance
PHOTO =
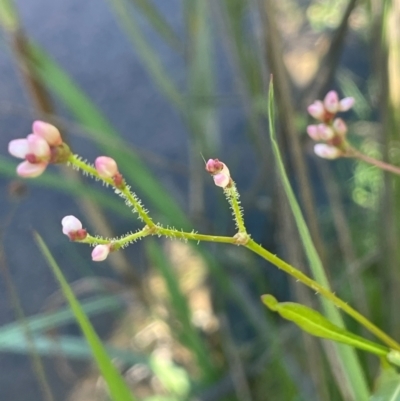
39,149
331,130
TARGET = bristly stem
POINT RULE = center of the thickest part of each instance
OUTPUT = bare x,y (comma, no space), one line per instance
351,152
127,195
232,195
298,275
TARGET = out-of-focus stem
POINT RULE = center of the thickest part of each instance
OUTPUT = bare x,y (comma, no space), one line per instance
351,152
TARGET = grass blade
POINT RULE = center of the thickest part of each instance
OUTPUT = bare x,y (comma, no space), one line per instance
119,391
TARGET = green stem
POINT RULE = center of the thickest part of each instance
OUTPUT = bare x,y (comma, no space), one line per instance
232,195
287,268
125,191
193,236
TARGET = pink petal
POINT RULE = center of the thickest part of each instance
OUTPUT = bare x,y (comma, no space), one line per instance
28,170
106,167
326,151
100,252
312,131
48,132
331,102
346,103
38,146
70,224
18,148
221,180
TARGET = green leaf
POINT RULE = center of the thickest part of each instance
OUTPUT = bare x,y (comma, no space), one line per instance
387,386
317,325
119,391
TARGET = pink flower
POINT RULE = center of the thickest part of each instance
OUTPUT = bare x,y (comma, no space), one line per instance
317,110
100,252
72,228
327,151
219,172
48,132
106,167
36,152
331,102
346,103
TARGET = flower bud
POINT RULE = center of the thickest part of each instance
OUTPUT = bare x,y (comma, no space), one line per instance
219,172
214,166
340,126
331,102
312,131
327,151
316,110
325,132
346,103
100,253
72,227
48,132
106,167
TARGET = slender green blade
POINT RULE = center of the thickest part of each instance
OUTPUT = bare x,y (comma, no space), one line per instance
348,357
317,325
119,391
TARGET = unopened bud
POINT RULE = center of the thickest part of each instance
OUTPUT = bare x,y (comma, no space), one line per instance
100,253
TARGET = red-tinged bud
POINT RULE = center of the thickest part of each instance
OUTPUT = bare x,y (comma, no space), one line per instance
72,227
100,252
219,172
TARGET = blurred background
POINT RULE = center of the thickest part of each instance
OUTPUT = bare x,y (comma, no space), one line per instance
158,85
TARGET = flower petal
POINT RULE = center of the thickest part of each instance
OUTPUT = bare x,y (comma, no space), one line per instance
18,148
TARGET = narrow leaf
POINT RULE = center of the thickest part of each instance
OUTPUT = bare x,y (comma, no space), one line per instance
119,391
317,325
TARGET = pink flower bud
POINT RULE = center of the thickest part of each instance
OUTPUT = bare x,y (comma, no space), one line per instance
72,227
327,151
312,131
18,148
346,103
29,170
340,126
100,252
316,110
106,167
325,132
219,172
331,102
38,146
214,166
48,132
